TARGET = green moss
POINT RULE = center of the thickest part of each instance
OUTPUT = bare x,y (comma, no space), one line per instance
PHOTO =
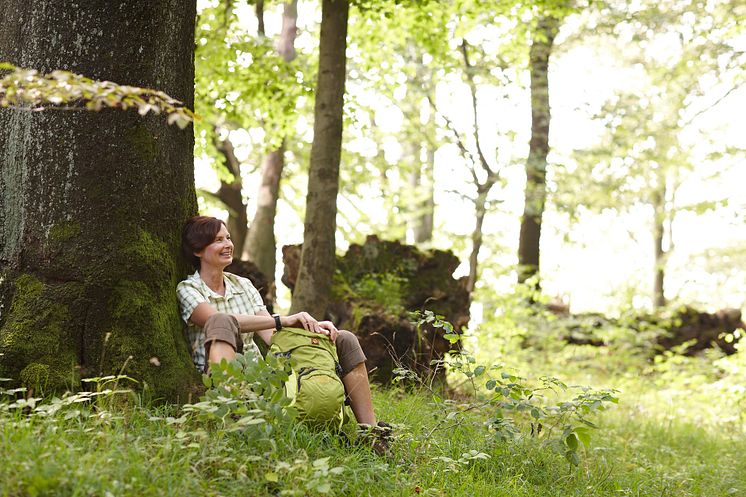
151,259
145,323
143,142
33,342
384,289
62,232
36,376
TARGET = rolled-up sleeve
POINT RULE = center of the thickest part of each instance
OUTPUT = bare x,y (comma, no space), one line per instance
189,298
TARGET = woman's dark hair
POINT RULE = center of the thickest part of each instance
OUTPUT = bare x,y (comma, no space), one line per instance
198,233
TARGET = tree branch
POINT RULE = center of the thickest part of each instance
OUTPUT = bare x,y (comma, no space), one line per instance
474,105
465,152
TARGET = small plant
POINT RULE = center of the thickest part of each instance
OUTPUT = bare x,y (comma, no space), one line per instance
246,395
517,407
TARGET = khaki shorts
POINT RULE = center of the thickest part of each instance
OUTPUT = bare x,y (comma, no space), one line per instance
224,327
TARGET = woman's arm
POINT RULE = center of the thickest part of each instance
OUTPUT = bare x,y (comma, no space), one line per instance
262,323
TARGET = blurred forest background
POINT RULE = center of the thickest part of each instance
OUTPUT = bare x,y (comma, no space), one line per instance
630,140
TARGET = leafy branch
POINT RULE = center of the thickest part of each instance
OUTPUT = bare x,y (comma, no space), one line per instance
26,89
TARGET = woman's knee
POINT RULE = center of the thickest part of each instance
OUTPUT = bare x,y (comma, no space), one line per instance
349,351
223,327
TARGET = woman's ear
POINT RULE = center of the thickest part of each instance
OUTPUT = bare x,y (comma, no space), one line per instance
198,254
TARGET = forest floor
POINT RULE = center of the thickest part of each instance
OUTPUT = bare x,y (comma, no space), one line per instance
676,431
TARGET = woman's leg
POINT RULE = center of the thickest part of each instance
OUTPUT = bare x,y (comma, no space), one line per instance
222,338
355,377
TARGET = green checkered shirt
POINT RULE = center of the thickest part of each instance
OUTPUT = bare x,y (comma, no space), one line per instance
240,298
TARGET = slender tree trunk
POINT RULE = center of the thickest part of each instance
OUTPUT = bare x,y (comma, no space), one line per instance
261,242
536,165
286,44
231,194
423,204
261,245
318,255
659,206
423,231
92,204
259,9
480,206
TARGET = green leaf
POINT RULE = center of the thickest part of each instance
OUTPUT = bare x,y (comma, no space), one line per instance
572,441
572,457
271,476
584,435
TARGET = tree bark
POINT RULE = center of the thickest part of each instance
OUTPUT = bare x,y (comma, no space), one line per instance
92,204
261,243
318,255
536,165
261,246
286,43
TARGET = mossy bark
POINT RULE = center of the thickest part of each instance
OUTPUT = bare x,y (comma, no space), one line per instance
91,203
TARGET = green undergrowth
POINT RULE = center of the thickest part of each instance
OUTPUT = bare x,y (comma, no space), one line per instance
106,442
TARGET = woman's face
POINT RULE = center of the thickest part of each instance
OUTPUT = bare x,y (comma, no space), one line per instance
219,253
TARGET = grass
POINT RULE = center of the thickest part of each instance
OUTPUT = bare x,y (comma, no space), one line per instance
665,438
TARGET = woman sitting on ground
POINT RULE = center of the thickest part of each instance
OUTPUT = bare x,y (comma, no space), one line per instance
219,307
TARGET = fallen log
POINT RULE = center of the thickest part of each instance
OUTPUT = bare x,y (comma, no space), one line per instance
376,287
683,326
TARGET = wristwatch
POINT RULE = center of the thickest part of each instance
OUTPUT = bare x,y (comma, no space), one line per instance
278,323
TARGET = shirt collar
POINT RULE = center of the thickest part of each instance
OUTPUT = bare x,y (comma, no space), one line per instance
230,286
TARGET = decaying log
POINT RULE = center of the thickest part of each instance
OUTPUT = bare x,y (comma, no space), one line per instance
377,285
684,326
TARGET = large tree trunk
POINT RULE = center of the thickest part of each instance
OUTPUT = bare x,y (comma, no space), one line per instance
318,255
261,244
91,204
536,165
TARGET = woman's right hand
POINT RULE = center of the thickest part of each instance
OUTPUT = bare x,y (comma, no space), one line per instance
303,320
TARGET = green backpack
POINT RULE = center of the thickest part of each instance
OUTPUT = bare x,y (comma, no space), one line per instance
314,385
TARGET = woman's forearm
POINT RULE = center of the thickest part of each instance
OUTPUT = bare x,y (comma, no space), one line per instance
257,322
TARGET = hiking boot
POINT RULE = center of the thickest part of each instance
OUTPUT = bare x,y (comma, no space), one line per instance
376,437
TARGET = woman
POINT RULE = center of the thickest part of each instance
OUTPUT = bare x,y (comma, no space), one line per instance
219,307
